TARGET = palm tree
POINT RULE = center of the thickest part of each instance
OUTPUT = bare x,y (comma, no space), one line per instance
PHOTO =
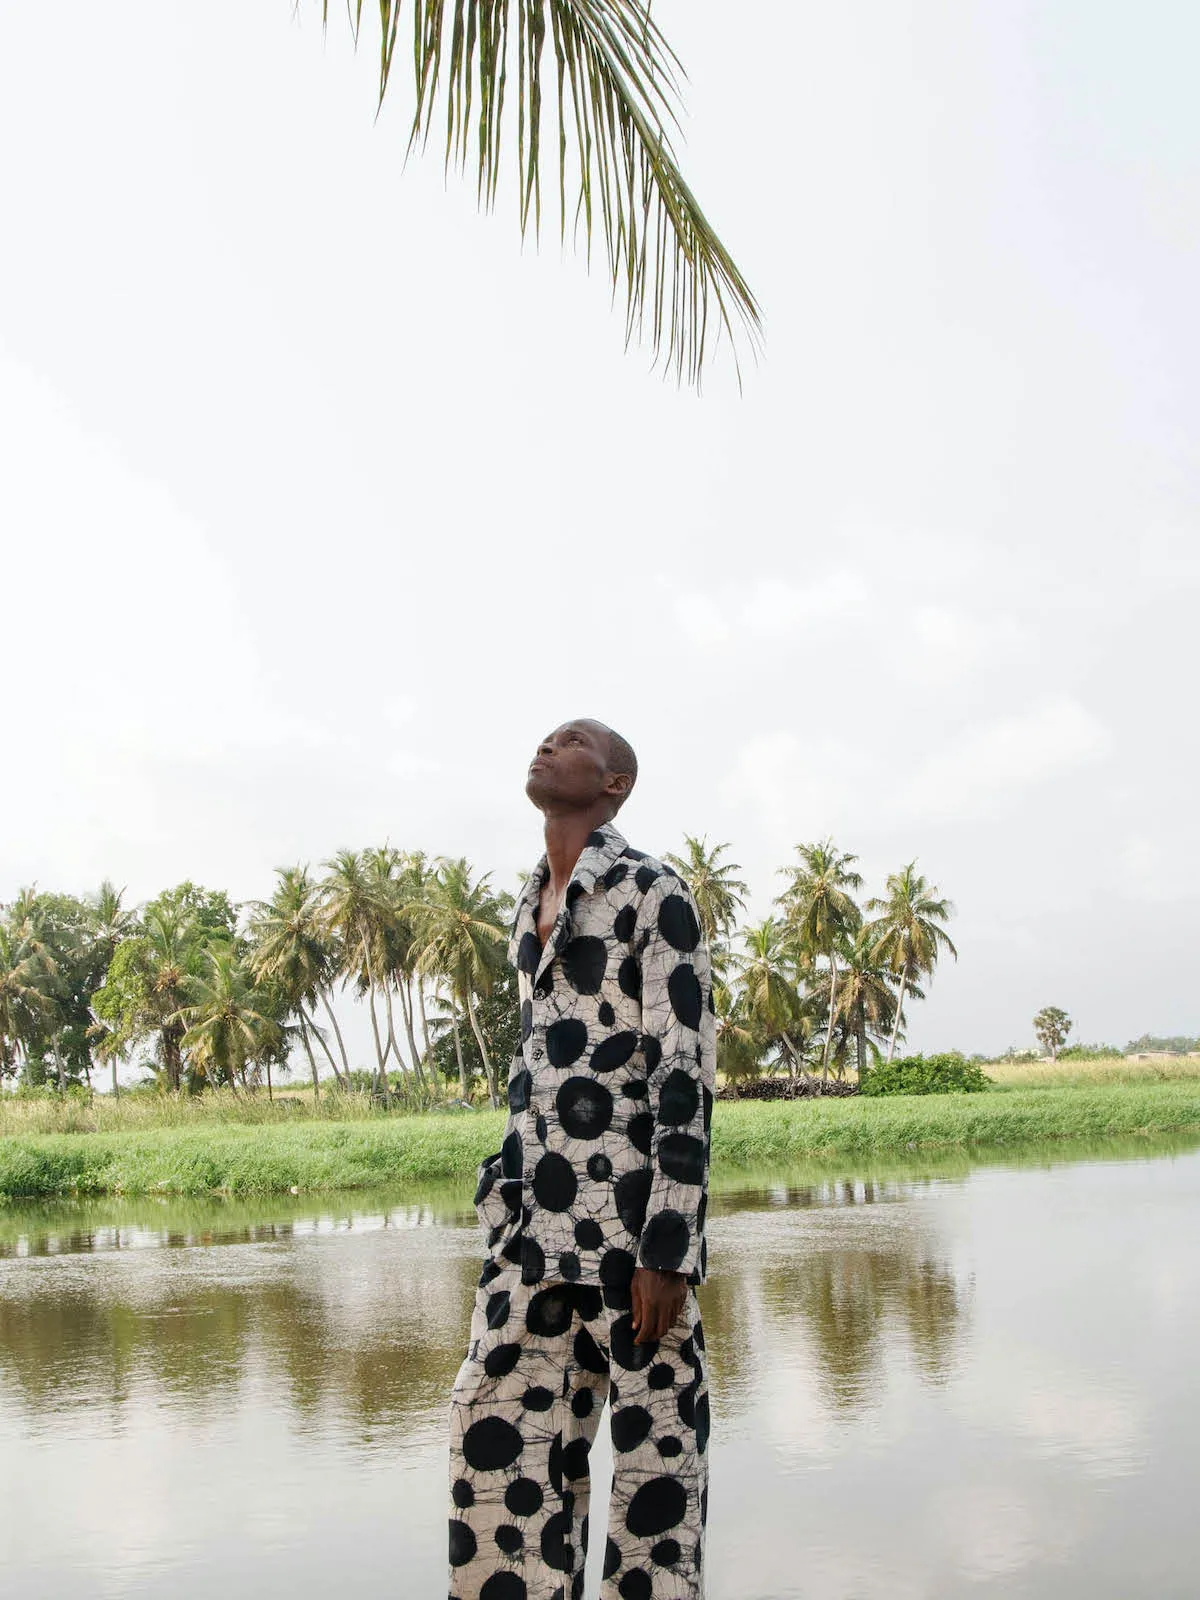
908,935
171,958
822,913
718,894
866,998
109,922
420,882
772,1006
461,932
411,883
396,946
290,947
46,928
354,910
615,92
224,1026
108,918
24,1000
738,1045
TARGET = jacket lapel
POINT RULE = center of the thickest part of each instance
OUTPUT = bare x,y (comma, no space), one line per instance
602,849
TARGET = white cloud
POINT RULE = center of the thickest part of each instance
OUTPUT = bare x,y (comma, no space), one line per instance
976,772
772,609
1160,870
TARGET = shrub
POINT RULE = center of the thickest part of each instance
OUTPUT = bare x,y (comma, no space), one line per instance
1091,1052
946,1074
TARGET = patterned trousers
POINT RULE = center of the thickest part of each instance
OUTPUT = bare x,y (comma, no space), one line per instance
542,1360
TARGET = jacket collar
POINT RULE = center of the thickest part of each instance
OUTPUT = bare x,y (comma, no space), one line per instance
602,849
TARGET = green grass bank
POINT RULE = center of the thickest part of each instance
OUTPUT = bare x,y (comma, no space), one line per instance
317,1156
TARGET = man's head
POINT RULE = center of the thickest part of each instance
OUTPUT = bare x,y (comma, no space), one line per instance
581,766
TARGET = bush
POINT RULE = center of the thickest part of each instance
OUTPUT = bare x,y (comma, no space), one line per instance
1091,1052
947,1074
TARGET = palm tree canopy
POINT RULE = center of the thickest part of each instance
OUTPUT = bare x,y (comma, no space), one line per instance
819,900
717,893
351,898
225,1026
461,929
908,934
290,943
764,965
865,988
613,99
25,977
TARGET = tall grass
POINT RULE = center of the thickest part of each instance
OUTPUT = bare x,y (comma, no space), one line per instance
74,1113
312,1155
1076,1074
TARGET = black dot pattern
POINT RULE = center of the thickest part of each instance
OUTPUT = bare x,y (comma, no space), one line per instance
523,1416
610,1090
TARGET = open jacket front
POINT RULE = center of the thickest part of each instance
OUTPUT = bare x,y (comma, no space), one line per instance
606,1151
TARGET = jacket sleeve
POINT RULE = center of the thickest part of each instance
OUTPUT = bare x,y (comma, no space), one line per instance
679,1040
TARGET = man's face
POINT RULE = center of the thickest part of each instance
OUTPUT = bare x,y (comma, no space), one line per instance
570,768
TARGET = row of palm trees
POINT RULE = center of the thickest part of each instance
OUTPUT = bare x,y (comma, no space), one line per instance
826,977
205,992
210,993
401,931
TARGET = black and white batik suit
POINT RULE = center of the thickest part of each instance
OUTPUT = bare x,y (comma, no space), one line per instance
604,1167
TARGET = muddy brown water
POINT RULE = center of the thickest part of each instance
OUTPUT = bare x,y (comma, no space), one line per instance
926,1384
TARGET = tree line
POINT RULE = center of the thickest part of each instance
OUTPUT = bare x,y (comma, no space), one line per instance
203,992
825,979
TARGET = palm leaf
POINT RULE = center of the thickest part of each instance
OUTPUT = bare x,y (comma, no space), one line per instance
616,82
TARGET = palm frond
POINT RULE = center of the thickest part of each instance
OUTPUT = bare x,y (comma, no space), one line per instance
616,87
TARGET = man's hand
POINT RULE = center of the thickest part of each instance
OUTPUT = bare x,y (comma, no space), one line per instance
657,1301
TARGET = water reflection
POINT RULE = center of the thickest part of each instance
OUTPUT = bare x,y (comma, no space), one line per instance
864,1288
920,1383
366,1348
369,1333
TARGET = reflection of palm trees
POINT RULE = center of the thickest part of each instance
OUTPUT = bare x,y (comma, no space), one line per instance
378,1350
856,1301
840,1294
385,1367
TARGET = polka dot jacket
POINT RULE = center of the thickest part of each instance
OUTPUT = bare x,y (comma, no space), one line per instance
605,1159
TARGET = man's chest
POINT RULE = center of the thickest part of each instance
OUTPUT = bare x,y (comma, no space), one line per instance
546,913
579,981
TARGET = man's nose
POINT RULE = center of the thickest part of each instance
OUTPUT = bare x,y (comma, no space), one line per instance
544,748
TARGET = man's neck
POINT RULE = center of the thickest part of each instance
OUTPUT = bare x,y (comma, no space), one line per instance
566,834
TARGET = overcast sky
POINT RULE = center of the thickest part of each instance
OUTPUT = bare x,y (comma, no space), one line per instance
321,500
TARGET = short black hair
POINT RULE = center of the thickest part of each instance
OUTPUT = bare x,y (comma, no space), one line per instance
622,758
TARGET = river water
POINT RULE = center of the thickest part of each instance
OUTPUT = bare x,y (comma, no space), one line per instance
927,1384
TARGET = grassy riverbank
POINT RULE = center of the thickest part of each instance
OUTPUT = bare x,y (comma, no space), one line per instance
275,1157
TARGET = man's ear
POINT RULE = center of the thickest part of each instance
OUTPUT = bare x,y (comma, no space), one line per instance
619,784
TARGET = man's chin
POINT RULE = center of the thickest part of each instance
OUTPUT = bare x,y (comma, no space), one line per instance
538,790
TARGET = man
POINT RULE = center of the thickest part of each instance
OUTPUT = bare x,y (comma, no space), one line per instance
595,1215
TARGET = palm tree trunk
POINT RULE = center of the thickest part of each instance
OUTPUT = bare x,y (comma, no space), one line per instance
270,1089
171,1035
310,1022
337,1032
380,1057
899,1010
116,1085
58,1064
407,1009
464,1091
392,1044
832,1013
312,1060
860,1038
489,1070
424,1019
